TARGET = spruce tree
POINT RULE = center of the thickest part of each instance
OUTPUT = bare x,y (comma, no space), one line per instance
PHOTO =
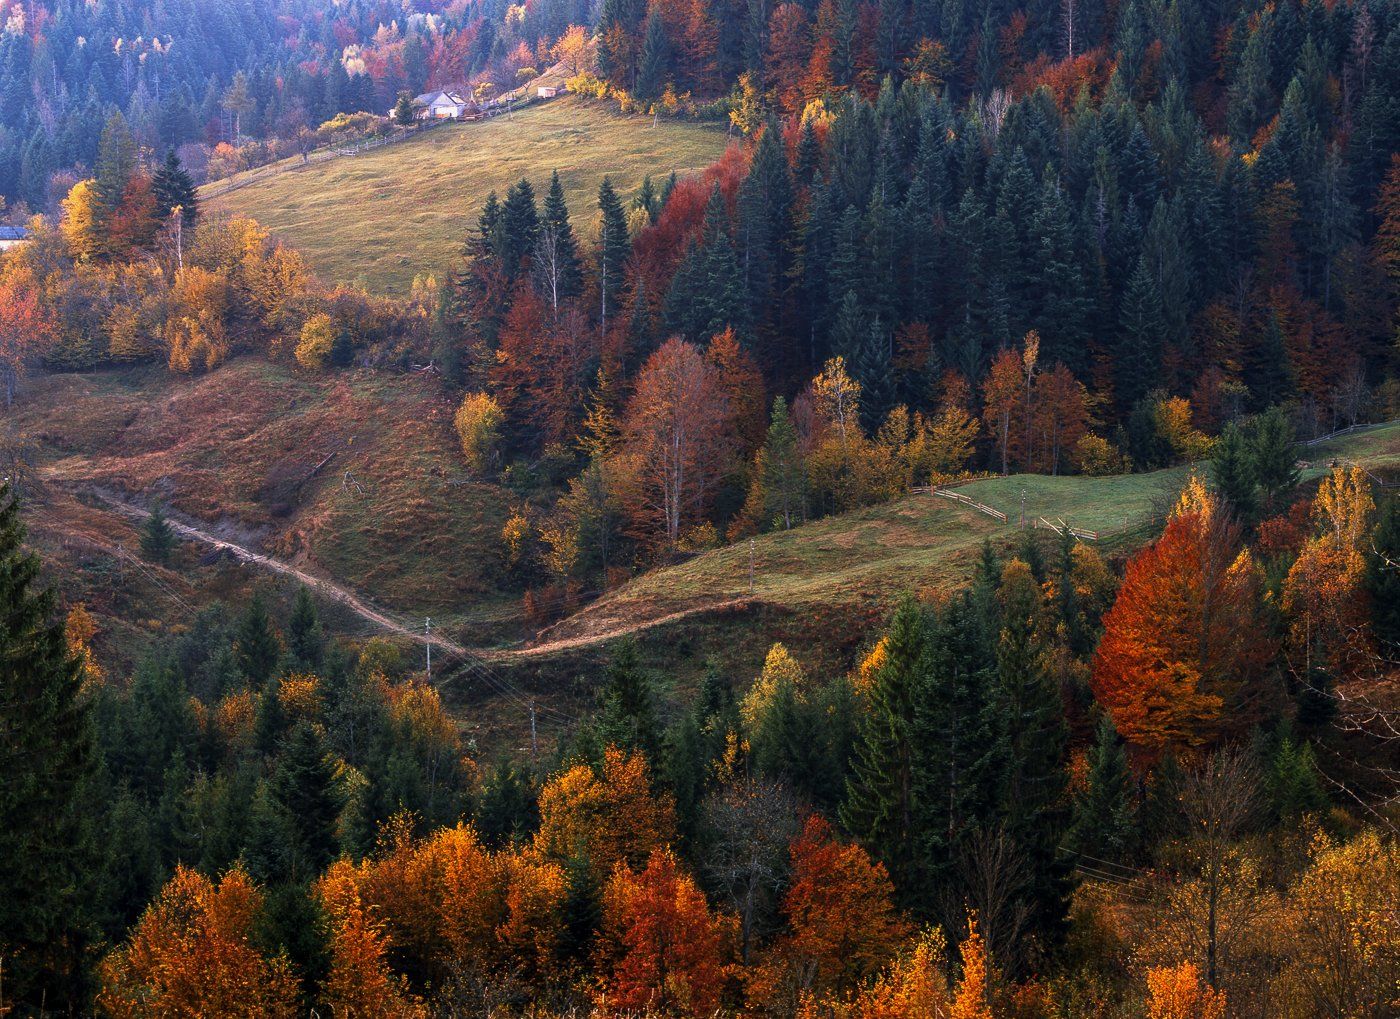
306,790
655,62
174,189
1274,457
157,537
880,807
1105,825
959,751
256,645
784,477
116,162
629,717
518,229
46,760
614,248
1232,470
557,232
305,638
1139,362
1034,786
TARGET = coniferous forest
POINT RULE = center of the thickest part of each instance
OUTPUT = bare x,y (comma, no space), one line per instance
1076,246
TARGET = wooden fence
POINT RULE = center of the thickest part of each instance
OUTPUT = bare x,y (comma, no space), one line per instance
980,507
1060,527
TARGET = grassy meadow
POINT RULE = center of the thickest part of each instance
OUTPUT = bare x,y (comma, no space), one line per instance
392,213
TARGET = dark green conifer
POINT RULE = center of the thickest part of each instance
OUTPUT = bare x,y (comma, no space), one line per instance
46,760
157,537
1104,810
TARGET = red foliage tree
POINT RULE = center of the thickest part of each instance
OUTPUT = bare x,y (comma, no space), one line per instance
1184,645
661,944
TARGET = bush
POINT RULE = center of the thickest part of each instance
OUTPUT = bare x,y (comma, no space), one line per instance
478,424
317,341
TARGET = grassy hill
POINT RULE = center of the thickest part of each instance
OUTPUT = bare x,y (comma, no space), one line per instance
384,216
824,586
355,475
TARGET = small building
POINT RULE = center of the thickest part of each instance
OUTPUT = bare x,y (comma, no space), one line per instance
440,106
547,92
12,236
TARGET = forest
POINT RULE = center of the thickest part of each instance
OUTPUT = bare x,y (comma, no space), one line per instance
1155,776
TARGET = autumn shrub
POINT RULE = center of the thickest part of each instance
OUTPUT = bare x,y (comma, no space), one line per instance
478,422
317,339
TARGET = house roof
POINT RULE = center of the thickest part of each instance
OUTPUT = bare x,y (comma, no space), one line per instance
428,98
13,233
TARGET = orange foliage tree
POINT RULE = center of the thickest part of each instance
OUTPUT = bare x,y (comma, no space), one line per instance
27,327
677,436
1178,992
663,947
192,954
1184,645
610,818
360,982
842,923
971,1001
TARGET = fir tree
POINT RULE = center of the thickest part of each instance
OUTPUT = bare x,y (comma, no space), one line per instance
1232,470
880,806
784,477
305,638
46,756
518,229
174,189
614,248
116,162
157,537
505,809
257,647
1104,810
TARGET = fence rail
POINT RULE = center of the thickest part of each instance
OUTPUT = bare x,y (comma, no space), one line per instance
980,507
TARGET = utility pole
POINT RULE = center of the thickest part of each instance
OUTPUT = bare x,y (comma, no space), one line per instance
534,746
751,543
428,645
1023,509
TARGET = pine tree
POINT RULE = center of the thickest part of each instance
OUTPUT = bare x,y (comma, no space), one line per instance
157,537
1274,457
46,756
306,791
305,638
557,258
784,477
403,111
880,806
655,63
1105,823
1139,363
1232,470
257,647
1036,743
614,248
174,189
876,377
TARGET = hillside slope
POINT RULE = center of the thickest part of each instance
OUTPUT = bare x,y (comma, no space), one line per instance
827,583
384,216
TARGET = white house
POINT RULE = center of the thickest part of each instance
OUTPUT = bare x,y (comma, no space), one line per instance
547,92
440,106
12,237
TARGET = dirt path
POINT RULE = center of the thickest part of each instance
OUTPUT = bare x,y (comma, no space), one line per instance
325,588
344,596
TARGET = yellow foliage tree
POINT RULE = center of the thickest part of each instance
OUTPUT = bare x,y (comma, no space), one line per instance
83,221
478,422
778,668
317,339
